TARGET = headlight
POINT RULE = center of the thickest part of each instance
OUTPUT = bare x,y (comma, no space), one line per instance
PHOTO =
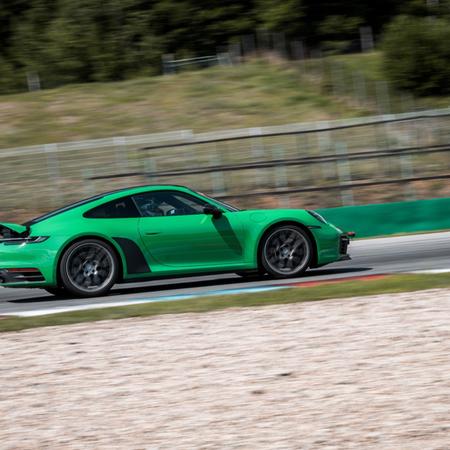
317,216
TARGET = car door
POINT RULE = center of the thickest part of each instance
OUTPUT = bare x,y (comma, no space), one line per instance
178,234
119,220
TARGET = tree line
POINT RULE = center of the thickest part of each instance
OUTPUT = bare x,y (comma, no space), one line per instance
67,41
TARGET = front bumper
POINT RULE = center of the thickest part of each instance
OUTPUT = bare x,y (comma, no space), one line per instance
332,244
344,242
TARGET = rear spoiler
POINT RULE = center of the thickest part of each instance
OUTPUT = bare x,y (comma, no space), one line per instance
14,230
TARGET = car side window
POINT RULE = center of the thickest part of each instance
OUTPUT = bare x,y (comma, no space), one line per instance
122,208
166,203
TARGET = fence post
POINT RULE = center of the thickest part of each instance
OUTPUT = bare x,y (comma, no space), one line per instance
257,147
279,44
407,102
383,99
262,40
366,37
121,152
324,144
88,184
53,172
235,52
406,165
167,64
281,178
407,172
224,59
297,50
33,81
150,168
359,85
337,78
343,169
217,178
248,44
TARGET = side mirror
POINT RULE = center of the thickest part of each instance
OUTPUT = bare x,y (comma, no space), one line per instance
212,211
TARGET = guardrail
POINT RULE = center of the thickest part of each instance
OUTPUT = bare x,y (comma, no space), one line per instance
282,162
350,156
171,65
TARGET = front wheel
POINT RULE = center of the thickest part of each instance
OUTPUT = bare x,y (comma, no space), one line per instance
286,251
89,268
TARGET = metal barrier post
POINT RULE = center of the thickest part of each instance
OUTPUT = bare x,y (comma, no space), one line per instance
88,182
121,152
343,169
53,172
257,146
217,178
150,168
281,178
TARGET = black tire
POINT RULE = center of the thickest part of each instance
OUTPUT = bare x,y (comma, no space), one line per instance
58,292
286,251
89,268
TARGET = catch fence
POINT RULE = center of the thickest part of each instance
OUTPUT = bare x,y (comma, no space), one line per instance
326,164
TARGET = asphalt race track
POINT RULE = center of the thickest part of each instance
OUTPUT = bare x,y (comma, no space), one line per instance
425,252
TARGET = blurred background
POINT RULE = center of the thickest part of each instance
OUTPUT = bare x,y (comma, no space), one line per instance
299,103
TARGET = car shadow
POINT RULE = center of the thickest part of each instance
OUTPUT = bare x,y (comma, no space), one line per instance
181,283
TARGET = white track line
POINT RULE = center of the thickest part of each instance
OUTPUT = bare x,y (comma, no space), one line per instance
431,271
179,297
139,301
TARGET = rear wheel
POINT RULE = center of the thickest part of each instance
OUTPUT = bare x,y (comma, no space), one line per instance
286,251
88,268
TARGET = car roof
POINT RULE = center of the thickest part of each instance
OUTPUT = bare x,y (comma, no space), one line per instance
139,189
107,196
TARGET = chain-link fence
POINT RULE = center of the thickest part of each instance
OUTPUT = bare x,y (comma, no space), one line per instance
326,164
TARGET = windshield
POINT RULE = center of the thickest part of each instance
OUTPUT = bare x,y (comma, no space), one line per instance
225,205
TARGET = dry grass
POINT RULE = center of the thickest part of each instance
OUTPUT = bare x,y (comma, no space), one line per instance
254,94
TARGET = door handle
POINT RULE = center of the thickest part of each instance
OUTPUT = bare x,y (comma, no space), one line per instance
152,233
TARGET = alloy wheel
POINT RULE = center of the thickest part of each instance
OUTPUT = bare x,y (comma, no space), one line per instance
287,251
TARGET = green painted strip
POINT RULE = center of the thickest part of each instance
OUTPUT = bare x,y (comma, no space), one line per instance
391,218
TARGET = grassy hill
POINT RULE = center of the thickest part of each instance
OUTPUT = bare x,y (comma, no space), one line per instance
258,93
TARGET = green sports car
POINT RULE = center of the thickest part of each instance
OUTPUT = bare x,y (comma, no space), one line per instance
146,232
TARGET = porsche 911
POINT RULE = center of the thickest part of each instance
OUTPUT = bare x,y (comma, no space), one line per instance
149,232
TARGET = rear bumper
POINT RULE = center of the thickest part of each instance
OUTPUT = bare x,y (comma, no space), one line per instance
26,265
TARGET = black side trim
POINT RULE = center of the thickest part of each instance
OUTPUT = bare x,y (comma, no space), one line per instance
136,262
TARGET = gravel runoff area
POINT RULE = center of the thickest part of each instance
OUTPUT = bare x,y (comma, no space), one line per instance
369,372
